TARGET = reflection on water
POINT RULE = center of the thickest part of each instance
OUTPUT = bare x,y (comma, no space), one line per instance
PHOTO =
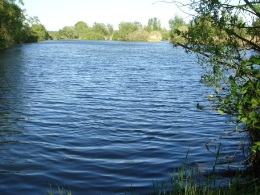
102,117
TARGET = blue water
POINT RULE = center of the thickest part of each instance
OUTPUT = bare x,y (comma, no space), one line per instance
102,117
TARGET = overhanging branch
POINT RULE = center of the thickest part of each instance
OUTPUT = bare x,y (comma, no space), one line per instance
207,56
257,47
250,4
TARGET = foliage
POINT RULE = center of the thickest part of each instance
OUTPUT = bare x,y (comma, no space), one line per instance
34,31
11,23
100,28
138,35
177,25
117,36
154,24
175,34
134,31
92,35
228,49
127,31
176,22
68,32
16,28
39,32
54,35
165,34
110,30
81,29
125,28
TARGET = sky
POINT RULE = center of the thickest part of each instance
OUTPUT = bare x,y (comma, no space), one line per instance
56,14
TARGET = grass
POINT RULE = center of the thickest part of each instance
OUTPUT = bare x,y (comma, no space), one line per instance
60,190
186,181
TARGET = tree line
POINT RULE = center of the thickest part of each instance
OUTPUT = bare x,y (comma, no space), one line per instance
16,28
127,31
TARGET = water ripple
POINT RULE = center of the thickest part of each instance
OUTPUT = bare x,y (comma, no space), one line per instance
102,117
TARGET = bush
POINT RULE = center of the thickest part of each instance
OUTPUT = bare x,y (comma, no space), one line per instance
93,36
155,36
139,35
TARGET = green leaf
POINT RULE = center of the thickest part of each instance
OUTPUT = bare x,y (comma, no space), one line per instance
247,63
220,111
255,59
244,119
254,102
256,147
244,90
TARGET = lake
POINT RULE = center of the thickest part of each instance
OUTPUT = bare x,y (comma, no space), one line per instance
103,117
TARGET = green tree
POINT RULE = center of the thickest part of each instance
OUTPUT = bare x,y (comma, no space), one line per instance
98,31
100,28
110,30
229,51
177,25
11,23
68,32
125,28
38,32
165,34
176,22
92,35
54,35
138,25
15,27
255,34
154,24
35,31
138,35
81,28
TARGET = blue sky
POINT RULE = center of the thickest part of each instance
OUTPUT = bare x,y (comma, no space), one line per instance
55,14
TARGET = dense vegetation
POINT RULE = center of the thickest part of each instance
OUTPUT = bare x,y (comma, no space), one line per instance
16,28
226,38
127,31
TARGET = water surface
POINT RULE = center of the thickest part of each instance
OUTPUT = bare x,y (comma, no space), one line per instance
101,117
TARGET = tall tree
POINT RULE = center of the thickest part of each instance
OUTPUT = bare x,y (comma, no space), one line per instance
34,30
81,29
68,32
110,30
176,22
11,23
15,27
39,31
154,24
100,28
125,28
228,48
177,25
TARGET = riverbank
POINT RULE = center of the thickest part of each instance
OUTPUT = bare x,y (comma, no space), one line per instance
187,183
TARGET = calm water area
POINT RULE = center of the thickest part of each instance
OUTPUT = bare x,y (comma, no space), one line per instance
103,117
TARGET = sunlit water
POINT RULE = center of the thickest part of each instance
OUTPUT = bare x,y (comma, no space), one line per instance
102,117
